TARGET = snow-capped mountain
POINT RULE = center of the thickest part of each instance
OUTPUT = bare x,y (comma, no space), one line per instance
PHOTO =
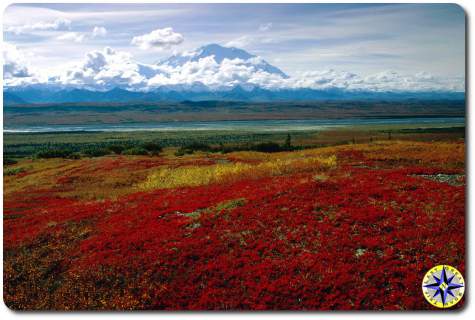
211,72
220,53
211,67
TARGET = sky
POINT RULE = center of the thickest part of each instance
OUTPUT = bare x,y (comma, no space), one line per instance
413,42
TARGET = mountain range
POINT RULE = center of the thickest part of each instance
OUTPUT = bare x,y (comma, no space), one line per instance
32,95
211,72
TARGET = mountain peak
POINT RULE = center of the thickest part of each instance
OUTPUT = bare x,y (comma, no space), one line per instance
219,54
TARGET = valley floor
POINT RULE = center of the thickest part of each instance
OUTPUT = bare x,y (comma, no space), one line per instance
354,226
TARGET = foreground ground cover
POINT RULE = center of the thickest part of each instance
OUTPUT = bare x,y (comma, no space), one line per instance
347,227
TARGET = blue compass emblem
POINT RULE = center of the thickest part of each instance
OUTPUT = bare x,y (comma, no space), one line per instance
443,286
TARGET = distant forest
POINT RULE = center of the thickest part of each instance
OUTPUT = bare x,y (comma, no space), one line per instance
97,113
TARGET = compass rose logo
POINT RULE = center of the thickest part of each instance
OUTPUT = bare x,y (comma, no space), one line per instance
443,286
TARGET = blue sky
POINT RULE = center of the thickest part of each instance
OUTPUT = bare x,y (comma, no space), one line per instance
356,38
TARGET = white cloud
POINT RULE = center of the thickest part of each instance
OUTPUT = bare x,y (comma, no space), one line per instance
17,69
382,81
106,69
326,79
246,41
72,36
79,37
249,40
241,42
17,14
99,32
265,27
58,24
14,62
159,38
422,81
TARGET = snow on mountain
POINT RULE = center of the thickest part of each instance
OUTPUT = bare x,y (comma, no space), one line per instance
219,54
210,68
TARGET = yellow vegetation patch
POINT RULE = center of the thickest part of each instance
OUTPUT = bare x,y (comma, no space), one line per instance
40,174
262,156
87,178
195,176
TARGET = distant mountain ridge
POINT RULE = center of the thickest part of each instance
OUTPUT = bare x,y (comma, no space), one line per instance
10,98
34,95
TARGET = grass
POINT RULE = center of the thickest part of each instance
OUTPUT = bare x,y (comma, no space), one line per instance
169,178
13,171
218,208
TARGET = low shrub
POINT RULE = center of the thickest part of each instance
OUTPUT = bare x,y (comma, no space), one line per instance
195,146
13,171
54,153
9,162
267,147
136,151
182,151
198,146
116,148
95,151
74,156
152,147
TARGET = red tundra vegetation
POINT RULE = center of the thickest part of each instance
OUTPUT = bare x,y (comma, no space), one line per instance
356,229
